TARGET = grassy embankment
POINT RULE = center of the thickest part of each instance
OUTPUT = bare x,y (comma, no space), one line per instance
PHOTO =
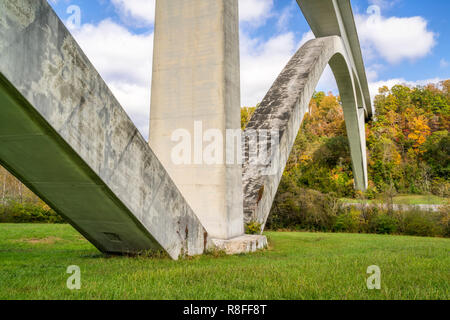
34,259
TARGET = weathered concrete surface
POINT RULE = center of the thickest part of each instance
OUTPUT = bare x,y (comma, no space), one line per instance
242,244
196,78
66,137
283,109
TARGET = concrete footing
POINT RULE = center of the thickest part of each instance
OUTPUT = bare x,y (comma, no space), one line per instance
242,244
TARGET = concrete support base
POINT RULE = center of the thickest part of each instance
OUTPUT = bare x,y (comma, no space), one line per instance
242,244
196,89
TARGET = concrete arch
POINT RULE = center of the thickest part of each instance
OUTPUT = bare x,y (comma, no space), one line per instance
359,93
283,110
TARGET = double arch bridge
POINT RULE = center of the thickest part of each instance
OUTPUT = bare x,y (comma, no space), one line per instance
66,137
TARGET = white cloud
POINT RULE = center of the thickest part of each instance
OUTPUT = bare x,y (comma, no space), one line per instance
371,74
139,12
254,11
261,63
374,86
306,37
143,11
327,82
124,60
384,3
444,63
285,15
395,39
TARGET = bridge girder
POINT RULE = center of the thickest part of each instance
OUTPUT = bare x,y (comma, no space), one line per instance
335,18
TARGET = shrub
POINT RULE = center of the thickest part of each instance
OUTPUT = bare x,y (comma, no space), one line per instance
419,223
440,187
253,228
348,222
303,209
16,212
371,192
445,221
313,211
385,224
436,150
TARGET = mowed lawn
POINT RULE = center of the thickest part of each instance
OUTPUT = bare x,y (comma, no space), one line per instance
34,260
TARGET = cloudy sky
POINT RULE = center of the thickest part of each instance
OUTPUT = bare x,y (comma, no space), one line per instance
403,41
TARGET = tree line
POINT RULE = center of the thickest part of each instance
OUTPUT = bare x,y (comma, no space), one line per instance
408,144
408,152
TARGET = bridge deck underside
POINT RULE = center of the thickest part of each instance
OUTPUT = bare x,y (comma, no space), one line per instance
33,152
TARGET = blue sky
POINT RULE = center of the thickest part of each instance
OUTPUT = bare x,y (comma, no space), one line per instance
403,41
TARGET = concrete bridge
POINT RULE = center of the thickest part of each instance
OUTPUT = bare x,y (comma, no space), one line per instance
65,136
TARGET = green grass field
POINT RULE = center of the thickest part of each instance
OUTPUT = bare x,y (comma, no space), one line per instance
407,199
34,259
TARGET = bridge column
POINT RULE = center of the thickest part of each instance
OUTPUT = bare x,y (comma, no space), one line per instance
196,87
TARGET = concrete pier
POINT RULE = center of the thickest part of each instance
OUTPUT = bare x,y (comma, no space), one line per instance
196,82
